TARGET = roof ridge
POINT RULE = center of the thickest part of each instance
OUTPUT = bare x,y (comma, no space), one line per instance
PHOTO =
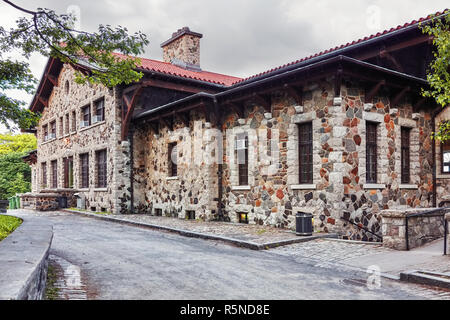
348,44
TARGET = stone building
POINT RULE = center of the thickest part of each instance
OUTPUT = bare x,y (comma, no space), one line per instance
342,134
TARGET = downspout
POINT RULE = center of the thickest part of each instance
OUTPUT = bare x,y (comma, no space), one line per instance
433,124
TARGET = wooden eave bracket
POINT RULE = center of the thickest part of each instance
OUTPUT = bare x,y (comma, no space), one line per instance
373,92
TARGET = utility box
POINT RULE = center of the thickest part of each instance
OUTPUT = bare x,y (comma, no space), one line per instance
303,224
81,201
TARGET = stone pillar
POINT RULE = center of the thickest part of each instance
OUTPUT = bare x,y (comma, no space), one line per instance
447,218
393,229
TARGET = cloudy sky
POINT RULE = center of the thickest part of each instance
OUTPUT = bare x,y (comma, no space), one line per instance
240,37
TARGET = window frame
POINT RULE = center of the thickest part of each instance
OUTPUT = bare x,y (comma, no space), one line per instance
68,178
101,165
44,174
405,158
84,170
242,154
172,167
101,102
86,116
444,164
305,162
54,170
371,152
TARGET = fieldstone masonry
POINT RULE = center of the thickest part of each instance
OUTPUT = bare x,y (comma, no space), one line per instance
421,229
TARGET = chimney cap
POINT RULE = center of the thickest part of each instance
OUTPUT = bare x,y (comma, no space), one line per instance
181,32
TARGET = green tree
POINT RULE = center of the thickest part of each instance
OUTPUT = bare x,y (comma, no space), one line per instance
15,175
20,143
439,74
53,35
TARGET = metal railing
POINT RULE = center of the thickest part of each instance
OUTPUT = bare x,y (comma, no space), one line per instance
363,228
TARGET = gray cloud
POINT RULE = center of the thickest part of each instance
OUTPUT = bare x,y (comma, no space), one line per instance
243,37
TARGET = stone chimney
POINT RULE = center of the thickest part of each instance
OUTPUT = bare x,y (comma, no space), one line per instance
183,49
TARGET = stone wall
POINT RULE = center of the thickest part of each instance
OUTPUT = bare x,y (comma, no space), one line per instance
65,103
339,191
195,186
40,201
186,49
421,229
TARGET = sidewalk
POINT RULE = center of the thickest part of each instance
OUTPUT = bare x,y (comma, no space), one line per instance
362,256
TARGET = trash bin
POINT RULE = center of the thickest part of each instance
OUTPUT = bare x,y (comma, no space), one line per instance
17,202
3,206
303,224
11,203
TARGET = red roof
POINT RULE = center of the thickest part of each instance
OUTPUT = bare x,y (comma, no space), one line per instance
170,69
399,27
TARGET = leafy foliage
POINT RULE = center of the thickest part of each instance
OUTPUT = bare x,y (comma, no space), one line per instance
45,32
15,175
439,75
20,143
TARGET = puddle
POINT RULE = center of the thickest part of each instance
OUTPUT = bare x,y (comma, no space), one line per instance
64,281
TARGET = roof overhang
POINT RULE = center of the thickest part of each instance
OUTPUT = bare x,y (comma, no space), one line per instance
340,65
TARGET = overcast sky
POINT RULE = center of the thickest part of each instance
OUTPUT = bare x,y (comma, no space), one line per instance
240,37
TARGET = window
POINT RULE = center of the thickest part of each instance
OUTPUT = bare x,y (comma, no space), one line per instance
305,156
101,164
242,158
405,157
66,128
68,172
190,215
173,169
52,134
445,147
85,116
45,132
84,165
99,107
54,165
243,217
74,121
66,87
371,152
44,174
61,126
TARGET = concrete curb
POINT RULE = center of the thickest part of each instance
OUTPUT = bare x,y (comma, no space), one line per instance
23,261
192,234
435,279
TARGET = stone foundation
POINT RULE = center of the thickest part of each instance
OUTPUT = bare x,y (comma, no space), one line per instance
40,201
421,229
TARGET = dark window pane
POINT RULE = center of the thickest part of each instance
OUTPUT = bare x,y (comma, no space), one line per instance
305,149
242,158
371,152
405,157
84,162
101,169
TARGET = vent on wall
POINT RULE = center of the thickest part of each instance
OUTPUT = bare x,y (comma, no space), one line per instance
190,215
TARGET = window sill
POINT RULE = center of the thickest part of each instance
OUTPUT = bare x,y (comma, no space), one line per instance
101,190
83,190
304,187
241,188
171,178
409,186
374,186
48,141
93,125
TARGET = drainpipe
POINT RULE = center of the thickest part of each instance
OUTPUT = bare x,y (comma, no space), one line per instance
433,124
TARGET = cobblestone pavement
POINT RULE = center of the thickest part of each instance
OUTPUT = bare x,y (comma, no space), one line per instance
253,233
124,262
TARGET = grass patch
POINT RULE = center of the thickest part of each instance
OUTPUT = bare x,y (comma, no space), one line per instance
51,292
260,232
8,225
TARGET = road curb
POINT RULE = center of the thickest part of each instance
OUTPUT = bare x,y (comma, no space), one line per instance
191,234
435,279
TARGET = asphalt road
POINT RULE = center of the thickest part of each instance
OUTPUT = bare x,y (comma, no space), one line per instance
124,262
